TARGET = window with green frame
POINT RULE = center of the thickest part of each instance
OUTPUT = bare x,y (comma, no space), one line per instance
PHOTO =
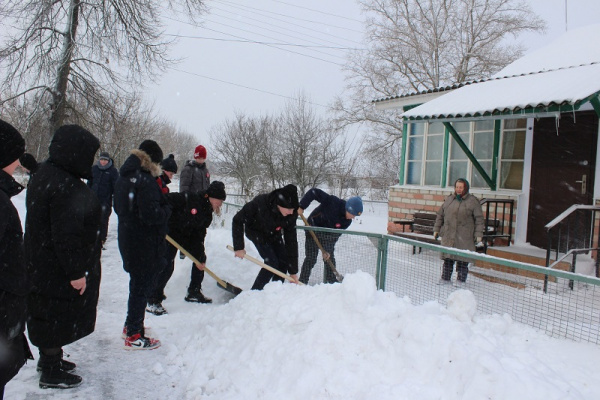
425,153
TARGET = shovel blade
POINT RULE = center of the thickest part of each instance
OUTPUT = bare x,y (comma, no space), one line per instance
230,288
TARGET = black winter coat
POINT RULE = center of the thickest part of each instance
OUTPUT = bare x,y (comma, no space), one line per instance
103,182
331,212
14,285
191,217
263,223
143,214
62,244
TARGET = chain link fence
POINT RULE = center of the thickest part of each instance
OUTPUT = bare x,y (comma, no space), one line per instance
570,308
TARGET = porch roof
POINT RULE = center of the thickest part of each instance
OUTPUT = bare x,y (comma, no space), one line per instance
524,95
558,77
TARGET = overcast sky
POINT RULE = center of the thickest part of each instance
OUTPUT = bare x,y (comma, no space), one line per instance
220,68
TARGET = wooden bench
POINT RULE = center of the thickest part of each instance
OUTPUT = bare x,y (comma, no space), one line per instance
421,229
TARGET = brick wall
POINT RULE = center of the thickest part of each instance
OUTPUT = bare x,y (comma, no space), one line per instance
405,201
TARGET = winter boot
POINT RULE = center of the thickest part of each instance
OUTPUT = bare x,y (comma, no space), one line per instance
156,309
65,365
53,376
196,296
139,342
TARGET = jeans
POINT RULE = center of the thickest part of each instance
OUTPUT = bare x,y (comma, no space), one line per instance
311,251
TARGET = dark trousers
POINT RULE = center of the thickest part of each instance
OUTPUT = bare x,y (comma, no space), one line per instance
162,278
196,278
274,255
462,269
141,287
105,216
311,251
15,352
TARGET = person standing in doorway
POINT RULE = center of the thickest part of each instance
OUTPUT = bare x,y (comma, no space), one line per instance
333,213
104,178
459,223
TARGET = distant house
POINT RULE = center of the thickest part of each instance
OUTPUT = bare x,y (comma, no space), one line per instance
529,133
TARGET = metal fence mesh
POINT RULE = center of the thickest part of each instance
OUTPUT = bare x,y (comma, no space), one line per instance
509,288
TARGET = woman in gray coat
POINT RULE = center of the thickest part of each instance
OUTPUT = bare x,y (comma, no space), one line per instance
460,224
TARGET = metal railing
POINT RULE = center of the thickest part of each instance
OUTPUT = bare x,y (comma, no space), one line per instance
568,307
498,220
570,234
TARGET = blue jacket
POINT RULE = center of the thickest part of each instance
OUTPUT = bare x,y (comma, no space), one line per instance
331,213
103,182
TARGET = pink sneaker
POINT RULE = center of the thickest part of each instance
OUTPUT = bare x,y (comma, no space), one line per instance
139,342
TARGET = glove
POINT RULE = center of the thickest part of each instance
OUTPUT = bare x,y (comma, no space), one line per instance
436,235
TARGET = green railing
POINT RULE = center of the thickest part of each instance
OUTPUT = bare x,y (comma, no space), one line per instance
501,287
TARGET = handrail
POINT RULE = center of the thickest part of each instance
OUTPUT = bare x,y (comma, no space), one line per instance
580,236
568,212
500,215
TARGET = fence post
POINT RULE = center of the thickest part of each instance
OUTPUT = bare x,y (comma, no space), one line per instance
382,256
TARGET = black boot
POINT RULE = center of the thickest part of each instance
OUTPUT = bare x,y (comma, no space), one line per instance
53,376
65,365
196,296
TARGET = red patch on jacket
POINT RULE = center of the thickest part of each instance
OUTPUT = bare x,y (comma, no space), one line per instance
278,228
338,225
194,211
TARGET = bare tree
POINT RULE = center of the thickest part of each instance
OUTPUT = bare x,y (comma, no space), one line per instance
58,52
308,146
237,146
415,45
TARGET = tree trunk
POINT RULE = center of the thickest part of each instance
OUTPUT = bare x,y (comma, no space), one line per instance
59,105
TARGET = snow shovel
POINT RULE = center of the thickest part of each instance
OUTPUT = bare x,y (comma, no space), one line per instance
220,282
338,276
267,267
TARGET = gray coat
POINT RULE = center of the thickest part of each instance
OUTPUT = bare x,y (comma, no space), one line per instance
194,177
459,223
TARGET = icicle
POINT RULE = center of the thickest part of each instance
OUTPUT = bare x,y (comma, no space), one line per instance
557,122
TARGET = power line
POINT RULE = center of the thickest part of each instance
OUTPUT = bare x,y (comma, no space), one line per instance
277,26
267,29
261,13
233,4
317,11
258,42
239,37
243,86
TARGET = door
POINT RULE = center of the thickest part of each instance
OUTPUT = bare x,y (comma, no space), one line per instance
562,170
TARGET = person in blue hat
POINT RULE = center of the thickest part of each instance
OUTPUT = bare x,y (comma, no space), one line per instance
334,213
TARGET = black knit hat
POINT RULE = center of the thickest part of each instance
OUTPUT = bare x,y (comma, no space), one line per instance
287,197
152,148
12,144
216,190
169,164
28,162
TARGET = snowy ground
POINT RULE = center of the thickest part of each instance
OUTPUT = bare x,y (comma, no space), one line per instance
342,341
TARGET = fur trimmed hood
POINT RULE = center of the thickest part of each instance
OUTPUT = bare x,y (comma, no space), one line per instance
146,163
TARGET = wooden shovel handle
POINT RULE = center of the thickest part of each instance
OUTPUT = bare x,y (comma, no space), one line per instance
267,267
191,257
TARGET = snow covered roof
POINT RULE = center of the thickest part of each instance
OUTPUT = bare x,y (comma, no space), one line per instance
566,72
